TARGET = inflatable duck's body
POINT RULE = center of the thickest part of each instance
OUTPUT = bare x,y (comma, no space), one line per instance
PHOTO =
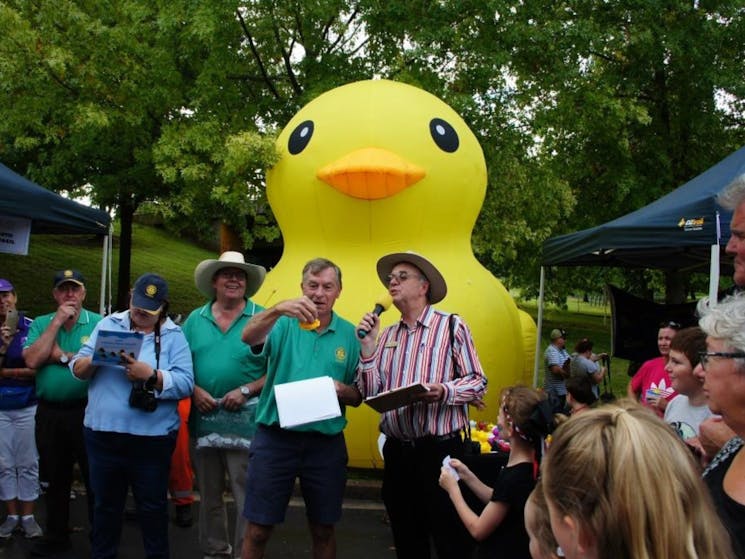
376,167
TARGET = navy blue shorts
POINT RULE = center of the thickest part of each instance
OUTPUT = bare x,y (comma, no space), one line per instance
278,457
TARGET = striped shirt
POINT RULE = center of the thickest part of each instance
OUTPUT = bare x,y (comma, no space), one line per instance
553,382
406,356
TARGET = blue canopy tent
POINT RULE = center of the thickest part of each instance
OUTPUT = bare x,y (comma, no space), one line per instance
683,230
51,213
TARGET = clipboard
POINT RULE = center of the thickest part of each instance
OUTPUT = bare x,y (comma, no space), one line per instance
111,344
396,398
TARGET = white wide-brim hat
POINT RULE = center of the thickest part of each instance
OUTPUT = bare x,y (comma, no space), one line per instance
437,286
206,270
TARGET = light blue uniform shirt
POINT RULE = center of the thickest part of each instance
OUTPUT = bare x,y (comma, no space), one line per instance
108,389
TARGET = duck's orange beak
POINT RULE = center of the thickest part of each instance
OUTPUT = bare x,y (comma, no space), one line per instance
370,174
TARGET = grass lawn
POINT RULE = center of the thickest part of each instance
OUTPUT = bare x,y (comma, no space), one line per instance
582,320
154,250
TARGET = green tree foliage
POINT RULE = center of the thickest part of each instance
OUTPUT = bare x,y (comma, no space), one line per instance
263,61
585,110
625,97
86,90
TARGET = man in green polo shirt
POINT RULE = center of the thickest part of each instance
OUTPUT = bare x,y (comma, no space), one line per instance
52,340
226,375
302,339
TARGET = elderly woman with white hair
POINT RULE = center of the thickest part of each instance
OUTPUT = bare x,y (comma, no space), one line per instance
723,372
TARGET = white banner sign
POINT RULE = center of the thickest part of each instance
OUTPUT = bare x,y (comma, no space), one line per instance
14,234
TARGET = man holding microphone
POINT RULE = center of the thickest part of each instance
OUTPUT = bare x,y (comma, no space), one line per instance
434,348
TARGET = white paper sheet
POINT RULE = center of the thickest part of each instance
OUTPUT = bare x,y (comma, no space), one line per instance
306,401
14,234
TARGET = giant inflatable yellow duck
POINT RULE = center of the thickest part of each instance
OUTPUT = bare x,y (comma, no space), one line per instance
375,167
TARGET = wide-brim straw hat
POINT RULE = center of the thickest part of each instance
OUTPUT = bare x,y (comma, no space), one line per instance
437,286
206,270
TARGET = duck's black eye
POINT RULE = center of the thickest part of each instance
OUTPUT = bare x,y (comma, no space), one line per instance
444,135
300,137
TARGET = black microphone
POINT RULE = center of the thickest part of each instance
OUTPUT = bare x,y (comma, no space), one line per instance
381,305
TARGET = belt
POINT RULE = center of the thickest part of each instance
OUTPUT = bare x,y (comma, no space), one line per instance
292,433
425,440
64,404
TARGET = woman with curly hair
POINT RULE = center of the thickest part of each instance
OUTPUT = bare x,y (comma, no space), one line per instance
723,373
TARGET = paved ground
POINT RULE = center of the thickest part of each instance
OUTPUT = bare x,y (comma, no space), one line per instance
361,534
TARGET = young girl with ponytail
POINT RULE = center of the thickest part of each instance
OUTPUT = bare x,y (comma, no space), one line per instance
525,418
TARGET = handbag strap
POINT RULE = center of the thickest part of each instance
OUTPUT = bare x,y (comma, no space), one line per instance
451,330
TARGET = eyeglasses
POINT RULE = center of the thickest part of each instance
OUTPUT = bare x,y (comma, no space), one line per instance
232,274
670,324
705,356
402,276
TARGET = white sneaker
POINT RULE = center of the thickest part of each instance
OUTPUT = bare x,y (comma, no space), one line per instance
9,526
31,528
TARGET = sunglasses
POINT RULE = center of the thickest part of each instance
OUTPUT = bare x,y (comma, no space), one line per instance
670,324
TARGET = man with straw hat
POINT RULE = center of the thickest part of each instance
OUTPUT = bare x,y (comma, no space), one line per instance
225,376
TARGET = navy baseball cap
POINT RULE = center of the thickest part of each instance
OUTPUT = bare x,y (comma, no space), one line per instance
149,293
5,285
64,276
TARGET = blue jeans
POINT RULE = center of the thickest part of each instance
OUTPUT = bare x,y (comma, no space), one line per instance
118,461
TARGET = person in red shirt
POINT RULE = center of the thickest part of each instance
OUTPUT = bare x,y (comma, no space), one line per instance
651,385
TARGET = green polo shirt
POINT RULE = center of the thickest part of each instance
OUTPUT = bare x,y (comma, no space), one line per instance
222,362
292,354
55,382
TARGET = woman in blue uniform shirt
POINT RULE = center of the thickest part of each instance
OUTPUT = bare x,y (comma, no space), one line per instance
131,421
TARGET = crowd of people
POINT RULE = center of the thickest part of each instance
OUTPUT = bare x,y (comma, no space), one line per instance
657,474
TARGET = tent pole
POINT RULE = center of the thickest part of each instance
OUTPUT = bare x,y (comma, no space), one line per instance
111,265
537,361
104,262
714,262
714,274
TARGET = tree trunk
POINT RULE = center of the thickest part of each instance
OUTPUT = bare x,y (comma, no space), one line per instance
229,239
126,215
675,287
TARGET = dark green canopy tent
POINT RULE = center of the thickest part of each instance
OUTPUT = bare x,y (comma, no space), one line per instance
48,211
51,213
684,230
673,232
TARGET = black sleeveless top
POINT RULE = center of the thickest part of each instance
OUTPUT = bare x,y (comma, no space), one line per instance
731,513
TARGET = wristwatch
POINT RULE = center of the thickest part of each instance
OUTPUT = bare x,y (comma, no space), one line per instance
152,380
245,391
64,359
